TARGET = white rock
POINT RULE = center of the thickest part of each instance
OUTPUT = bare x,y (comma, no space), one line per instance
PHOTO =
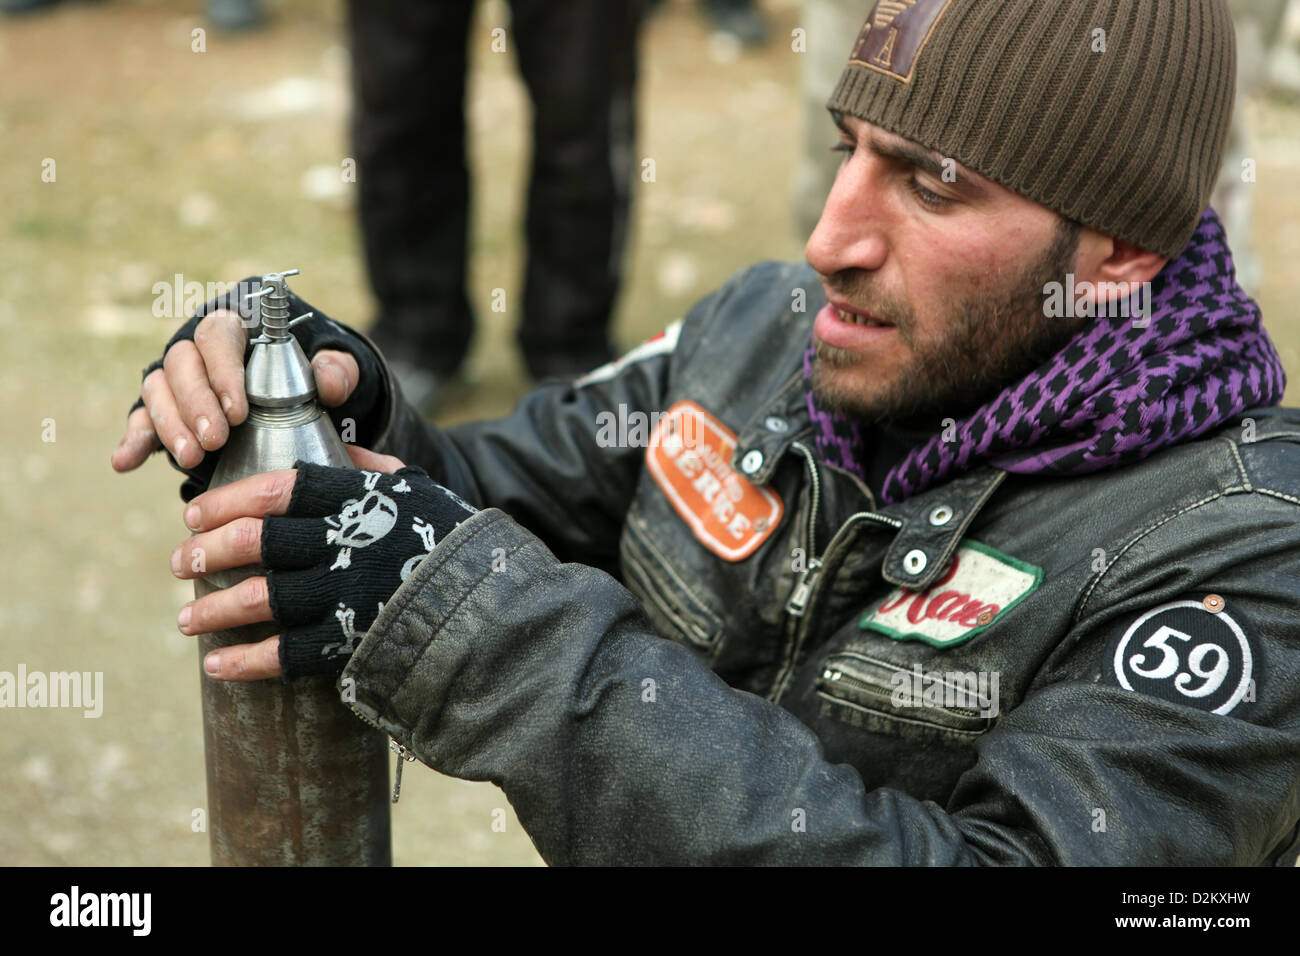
724,48
106,320
324,183
678,274
38,770
287,97
198,210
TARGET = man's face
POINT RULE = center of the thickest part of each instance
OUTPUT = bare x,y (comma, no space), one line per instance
954,264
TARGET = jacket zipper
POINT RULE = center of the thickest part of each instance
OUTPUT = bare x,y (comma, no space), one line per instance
838,676
816,497
403,755
803,588
806,585
798,602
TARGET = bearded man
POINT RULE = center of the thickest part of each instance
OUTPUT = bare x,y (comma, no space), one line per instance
915,568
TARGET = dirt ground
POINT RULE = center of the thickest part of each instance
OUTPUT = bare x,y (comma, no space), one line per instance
222,164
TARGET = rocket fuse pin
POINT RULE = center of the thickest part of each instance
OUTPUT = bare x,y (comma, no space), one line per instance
273,286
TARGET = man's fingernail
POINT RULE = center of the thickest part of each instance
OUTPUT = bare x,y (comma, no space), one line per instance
226,402
192,517
183,619
203,426
176,561
212,664
181,445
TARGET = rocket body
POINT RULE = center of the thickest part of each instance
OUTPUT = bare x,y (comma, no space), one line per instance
294,777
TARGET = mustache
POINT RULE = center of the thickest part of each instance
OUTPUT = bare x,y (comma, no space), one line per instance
860,296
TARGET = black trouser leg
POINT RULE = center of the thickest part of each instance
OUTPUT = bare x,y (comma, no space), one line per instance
408,132
578,59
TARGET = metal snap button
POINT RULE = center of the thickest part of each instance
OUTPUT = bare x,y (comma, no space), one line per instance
940,516
777,424
1213,603
914,562
752,461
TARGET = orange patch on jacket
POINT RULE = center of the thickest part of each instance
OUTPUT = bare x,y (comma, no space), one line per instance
689,456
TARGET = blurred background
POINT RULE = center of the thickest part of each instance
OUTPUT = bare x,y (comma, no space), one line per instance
149,139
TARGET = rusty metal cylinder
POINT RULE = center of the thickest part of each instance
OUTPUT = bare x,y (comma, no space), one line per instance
295,778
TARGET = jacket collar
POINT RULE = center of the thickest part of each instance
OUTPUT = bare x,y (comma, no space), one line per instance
781,420
930,525
934,523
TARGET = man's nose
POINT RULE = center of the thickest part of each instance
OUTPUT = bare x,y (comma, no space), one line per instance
851,233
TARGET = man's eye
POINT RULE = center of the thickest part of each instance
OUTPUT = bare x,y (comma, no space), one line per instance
928,198
843,147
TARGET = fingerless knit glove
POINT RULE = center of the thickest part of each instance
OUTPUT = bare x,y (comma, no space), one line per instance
346,543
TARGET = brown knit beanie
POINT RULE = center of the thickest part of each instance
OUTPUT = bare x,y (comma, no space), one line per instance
1114,113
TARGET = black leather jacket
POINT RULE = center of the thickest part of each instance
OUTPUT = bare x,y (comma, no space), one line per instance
743,658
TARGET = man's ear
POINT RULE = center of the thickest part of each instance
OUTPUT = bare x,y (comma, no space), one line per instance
1115,267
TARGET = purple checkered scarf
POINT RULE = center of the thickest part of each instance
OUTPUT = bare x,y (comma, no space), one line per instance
1115,395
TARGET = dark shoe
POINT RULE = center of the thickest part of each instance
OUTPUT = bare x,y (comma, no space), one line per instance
24,6
737,18
235,15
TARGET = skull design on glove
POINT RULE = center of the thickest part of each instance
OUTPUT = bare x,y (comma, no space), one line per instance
361,522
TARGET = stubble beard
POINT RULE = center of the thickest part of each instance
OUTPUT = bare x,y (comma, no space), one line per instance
993,340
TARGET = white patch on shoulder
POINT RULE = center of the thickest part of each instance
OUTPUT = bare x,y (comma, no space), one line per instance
1192,652
665,341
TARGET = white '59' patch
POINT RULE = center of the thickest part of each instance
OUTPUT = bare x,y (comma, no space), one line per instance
1196,651
977,588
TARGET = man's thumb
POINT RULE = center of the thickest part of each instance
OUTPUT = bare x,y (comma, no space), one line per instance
337,375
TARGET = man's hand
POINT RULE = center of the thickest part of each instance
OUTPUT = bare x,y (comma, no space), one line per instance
191,403
228,522
336,544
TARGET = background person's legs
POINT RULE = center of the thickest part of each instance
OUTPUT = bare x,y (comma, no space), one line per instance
578,60
408,62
